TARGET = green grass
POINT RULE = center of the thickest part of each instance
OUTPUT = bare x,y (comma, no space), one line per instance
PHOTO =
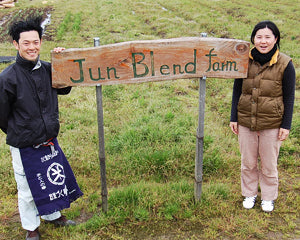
150,130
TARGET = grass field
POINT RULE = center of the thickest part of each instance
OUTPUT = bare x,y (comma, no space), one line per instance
150,128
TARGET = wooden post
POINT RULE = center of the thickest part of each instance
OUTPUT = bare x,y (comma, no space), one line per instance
101,141
200,137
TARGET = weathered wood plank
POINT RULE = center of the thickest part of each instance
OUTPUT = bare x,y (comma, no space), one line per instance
150,60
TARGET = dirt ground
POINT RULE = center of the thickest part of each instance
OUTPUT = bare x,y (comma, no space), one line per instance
6,18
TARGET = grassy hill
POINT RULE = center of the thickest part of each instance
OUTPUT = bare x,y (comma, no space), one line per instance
150,128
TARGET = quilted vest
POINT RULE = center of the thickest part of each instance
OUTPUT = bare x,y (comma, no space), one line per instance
261,103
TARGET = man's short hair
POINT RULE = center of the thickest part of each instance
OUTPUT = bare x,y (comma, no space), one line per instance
30,24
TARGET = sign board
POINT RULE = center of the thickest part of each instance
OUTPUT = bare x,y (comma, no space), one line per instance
151,60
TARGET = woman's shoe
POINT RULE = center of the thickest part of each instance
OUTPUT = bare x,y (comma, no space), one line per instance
267,206
249,202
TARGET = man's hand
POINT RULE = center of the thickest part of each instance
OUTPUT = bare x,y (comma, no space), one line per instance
234,127
58,49
283,134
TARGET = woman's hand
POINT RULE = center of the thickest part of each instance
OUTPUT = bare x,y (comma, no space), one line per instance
234,127
283,134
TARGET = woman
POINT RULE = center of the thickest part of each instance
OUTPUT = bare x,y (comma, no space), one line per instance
261,114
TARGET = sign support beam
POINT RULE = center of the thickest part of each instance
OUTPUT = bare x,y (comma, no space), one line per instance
199,140
200,137
101,140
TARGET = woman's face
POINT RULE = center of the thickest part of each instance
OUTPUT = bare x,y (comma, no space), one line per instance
264,40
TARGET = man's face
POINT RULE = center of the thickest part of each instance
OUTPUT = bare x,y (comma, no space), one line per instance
29,45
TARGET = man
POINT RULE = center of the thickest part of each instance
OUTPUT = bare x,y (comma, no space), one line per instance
29,117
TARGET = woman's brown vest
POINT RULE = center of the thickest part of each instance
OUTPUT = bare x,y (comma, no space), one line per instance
261,103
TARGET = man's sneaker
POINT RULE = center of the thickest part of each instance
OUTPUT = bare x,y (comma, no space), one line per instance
62,221
249,202
267,206
33,235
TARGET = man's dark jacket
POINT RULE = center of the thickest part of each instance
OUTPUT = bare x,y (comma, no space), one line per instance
28,103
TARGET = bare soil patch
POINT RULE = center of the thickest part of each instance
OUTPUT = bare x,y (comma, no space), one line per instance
7,18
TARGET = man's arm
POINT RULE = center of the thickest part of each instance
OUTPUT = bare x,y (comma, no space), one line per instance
64,91
5,107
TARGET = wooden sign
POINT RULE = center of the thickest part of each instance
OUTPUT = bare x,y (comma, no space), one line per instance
151,60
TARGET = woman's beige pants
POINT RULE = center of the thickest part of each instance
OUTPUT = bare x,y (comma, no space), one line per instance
259,154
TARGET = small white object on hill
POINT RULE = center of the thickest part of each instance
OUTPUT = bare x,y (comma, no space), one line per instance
7,3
